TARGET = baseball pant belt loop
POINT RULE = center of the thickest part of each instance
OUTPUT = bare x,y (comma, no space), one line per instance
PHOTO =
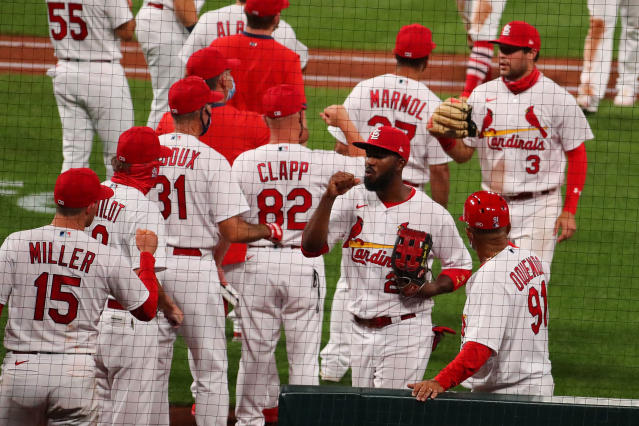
187,251
156,5
523,196
102,61
381,322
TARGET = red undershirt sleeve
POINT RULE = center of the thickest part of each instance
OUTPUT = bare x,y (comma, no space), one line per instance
458,276
576,177
146,273
467,362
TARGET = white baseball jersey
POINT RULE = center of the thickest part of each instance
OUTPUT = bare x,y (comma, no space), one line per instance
522,138
393,100
120,216
84,29
196,192
507,310
56,281
231,20
284,182
368,228
168,4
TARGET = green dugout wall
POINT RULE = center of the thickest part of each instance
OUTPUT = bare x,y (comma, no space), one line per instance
327,406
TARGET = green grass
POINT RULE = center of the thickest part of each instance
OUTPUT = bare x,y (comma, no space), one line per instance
594,302
372,24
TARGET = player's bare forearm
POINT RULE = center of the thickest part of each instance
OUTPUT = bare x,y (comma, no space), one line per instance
316,229
460,152
185,12
220,250
172,312
237,230
440,183
443,284
125,31
336,115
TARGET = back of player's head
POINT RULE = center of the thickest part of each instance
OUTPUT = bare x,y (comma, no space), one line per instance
139,145
282,100
78,188
413,41
390,139
190,94
209,63
486,211
260,14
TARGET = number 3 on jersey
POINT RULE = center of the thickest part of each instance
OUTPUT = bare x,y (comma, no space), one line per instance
179,187
270,202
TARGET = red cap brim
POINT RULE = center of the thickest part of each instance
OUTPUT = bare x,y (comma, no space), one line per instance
105,192
165,151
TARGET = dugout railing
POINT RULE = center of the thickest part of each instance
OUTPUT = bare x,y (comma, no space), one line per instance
332,405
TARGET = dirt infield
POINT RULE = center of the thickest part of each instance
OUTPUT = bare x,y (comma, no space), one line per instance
326,68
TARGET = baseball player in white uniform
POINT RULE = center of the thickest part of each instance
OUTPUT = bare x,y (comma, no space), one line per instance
231,20
200,202
282,181
528,126
89,84
57,279
132,386
392,334
598,53
396,99
162,28
481,18
505,319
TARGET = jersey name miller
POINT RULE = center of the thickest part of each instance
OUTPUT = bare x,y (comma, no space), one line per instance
282,170
42,252
525,271
397,101
181,157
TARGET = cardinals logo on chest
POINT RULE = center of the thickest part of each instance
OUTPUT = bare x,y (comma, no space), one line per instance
499,139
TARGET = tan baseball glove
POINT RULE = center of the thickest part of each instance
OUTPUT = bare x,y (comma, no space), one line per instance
452,119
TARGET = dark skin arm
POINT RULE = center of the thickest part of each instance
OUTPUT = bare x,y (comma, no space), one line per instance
440,183
236,230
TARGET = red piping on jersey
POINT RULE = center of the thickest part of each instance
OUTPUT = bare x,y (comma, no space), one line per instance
147,311
576,177
412,194
523,84
457,276
467,362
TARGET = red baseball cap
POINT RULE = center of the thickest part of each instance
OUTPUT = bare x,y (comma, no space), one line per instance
390,139
414,41
486,210
282,101
190,94
140,145
77,188
208,63
521,34
265,7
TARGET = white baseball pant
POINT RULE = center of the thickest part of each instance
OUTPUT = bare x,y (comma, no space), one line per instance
161,38
58,388
91,97
484,27
279,287
335,357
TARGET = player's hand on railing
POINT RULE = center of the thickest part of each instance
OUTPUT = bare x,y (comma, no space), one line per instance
428,389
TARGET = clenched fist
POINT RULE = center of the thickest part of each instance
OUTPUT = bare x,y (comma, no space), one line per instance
146,240
340,183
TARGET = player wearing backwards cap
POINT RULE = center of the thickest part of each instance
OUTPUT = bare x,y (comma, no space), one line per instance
57,279
481,18
398,99
231,20
527,127
392,334
131,385
200,202
162,28
282,182
264,62
598,53
89,84
505,319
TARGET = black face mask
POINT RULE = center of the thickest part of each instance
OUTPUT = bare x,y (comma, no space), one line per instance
205,126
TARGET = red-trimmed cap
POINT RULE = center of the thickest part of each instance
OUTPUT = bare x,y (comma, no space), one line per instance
486,210
140,145
265,7
77,188
190,94
521,34
414,41
208,63
282,100
390,139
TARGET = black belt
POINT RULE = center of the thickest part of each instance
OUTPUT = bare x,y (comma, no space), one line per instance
46,353
278,246
187,251
103,61
381,322
523,196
